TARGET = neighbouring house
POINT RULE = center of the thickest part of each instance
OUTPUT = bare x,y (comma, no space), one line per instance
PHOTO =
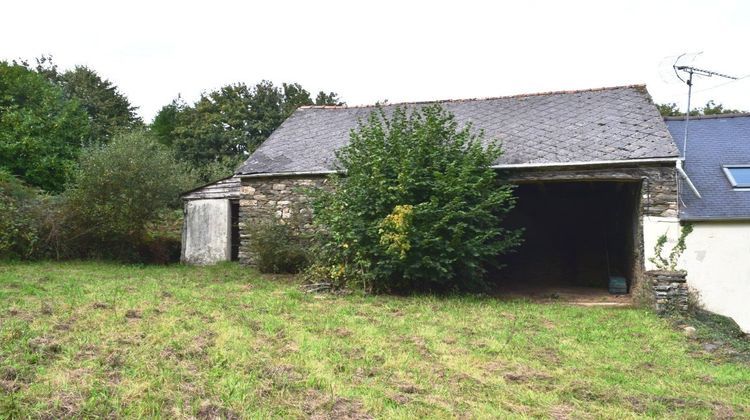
717,257
595,169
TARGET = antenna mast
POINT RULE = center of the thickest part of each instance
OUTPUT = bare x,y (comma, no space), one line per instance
690,71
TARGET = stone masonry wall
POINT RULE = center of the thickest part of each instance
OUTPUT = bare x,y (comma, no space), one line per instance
282,199
658,192
670,290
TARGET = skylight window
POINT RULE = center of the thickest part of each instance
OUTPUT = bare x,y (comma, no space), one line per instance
738,175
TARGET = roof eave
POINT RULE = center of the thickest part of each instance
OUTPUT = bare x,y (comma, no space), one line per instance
624,162
691,219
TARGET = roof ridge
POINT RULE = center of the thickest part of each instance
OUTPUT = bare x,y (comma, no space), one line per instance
487,98
707,117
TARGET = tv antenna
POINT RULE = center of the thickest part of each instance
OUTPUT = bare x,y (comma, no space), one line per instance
690,70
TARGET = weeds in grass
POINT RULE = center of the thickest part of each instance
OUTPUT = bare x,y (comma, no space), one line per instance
100,340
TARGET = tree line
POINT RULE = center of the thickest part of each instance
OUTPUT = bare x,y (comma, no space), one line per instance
711,108
47,116
82,175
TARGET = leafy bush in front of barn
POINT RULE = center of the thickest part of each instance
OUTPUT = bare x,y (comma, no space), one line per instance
419,207
279,248
119,191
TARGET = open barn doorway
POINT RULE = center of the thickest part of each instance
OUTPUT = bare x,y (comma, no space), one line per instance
576,235
234,207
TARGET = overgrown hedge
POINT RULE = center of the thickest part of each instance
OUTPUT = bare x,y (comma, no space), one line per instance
122,204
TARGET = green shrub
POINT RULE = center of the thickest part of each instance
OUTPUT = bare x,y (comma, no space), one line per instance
119,190
19,221
420,207
278,248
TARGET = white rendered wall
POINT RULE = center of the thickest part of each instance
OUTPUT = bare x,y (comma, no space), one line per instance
653,228
717,260
207,232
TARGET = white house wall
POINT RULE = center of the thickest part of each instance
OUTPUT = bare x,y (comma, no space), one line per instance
653,228
717,260
207,231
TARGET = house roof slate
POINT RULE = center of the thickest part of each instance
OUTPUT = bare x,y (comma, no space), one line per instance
713,141
607,124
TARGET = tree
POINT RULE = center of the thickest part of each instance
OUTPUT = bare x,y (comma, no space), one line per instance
218,131
711,108
108,109
419,206
669,110
165,122
121,187
41,130
329,98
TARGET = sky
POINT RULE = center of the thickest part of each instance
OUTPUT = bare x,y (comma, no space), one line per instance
389,50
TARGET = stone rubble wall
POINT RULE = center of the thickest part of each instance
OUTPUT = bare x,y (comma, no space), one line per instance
658,191
670,290
280,199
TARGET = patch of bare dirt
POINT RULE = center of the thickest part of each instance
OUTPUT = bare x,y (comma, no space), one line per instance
321,406
20,314
133,314
362,373
516,374
421,345
549,356
61,327
342,332
211,411
87,352
584,391
44,344
637,404
201,344
723,411
64,405
45,309
561,412
400,399
674,403
114,360
525,376
408,388
549,325
100,305
449,340
282,375
9,387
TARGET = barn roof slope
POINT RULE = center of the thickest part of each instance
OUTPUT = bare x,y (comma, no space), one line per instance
606,124
713,142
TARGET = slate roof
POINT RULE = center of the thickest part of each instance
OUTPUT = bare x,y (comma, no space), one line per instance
618,123
713,141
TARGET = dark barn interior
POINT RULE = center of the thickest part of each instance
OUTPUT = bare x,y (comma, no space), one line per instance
576,234
234,208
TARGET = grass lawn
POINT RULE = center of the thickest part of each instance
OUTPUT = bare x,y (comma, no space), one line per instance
104,340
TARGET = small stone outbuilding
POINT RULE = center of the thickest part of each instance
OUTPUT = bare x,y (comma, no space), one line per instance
594,169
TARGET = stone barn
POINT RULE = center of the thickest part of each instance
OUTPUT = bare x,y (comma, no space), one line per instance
594,168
